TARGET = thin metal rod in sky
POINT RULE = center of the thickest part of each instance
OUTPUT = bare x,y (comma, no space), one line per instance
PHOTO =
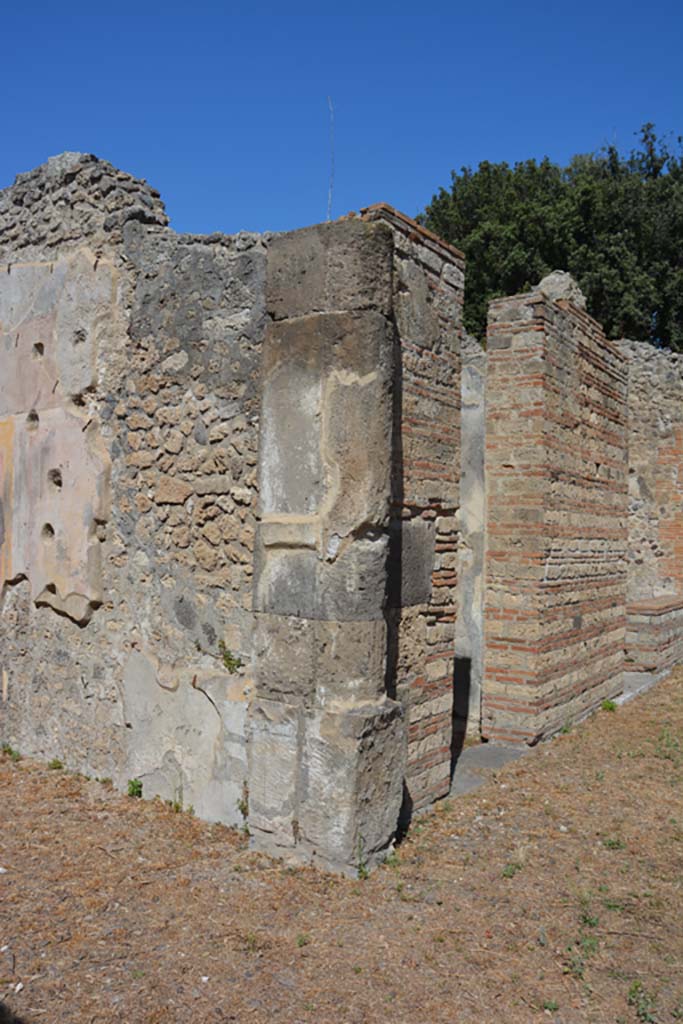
331,188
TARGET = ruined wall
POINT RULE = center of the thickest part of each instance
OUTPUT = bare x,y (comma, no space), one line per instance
129,366
282,642
655,573
327,743
556,472
427,295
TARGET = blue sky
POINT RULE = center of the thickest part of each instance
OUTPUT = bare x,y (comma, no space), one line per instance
223,108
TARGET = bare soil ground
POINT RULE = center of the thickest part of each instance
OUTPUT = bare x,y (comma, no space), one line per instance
555,892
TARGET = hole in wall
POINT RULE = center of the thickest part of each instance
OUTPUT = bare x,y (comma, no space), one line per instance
32,420
55,478
48,531
78,399
38,350
80,336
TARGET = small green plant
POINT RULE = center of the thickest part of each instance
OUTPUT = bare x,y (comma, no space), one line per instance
55,764
643,1002
231,661
393,860
551,1004
511,869
175,806
589,920
135,787
566,728
104,781
609,705
575,963
358,970
13,754
614,844
302,940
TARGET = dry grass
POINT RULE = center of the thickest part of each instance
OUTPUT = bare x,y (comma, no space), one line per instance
553,893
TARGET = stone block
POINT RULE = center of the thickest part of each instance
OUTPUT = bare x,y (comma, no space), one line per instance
291,581
412,566
318,662
275,737
352,784
344,265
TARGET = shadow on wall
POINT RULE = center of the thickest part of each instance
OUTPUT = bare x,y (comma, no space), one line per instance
394,601
462,681
7,1017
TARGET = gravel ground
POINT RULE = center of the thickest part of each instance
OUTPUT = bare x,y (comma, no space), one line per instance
554,892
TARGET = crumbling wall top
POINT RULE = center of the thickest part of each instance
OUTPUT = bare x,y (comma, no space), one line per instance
71,197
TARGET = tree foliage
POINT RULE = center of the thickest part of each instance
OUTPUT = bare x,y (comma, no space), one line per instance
614,222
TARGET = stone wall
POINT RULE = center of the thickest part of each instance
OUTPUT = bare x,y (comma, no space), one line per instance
129,368
357,538
228,495
327,744
556,472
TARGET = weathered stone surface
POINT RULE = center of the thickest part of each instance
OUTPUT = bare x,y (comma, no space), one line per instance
322,545
129,365
561,285
345,265
185,740
315,662
54,468
169,490
325,466
326,785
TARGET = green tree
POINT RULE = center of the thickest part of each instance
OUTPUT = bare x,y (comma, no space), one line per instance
614,222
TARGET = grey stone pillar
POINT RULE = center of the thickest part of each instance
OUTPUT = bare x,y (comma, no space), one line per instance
327,747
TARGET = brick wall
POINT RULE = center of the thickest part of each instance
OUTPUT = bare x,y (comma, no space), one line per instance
655,471
655,522
428,283
556,517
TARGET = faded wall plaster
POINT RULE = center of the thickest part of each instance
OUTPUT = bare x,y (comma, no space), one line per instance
54,468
